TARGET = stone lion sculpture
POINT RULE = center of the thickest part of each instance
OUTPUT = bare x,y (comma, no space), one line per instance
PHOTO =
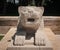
30,20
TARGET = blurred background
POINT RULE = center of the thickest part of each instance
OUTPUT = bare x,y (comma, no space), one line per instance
10,7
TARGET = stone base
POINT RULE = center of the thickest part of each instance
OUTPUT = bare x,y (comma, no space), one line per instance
29,47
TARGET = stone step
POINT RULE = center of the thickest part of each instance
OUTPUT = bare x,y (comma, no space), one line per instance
29,47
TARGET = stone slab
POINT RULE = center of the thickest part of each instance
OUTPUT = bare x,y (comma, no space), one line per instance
30,47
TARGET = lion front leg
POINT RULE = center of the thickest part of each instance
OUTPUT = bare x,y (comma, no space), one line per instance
20,39
39,39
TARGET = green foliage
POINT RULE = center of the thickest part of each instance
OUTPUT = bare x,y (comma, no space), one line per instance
32,3
1,37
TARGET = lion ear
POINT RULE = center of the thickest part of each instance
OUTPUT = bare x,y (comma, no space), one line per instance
42,8
19,9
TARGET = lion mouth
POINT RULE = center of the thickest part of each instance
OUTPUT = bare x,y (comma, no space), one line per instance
30,19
